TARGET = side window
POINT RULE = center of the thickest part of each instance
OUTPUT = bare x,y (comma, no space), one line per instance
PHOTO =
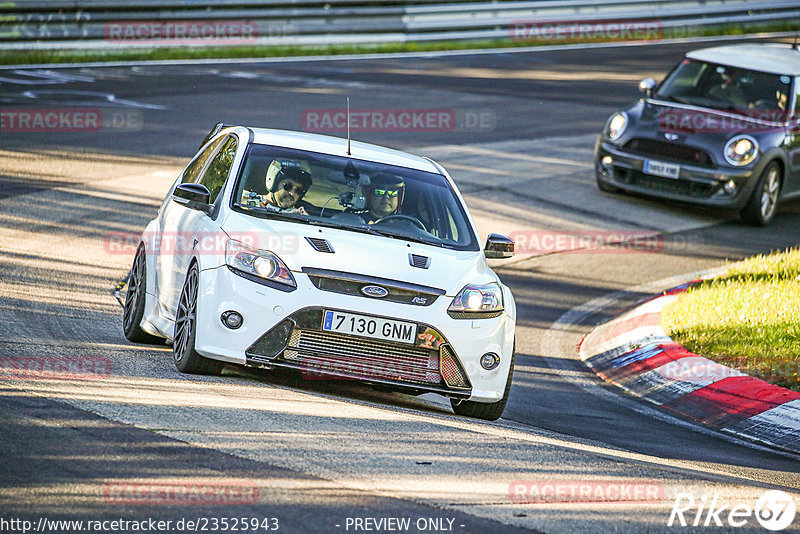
193,170
217,171
797,96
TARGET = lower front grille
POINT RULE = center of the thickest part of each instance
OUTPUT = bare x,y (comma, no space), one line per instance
665,185
363,358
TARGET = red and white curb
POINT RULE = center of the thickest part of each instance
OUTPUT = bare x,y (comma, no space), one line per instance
633,352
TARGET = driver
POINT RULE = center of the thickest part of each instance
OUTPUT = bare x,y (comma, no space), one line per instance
286,182
384,197
729,91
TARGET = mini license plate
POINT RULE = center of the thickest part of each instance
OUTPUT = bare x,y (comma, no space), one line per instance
659,168
366,326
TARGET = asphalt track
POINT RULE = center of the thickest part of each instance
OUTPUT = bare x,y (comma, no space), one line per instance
319,453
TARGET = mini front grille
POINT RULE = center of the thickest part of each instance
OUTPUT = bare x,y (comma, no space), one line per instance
363,358
669,151
418,261
320,245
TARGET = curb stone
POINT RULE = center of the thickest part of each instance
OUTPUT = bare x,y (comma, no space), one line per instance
634,353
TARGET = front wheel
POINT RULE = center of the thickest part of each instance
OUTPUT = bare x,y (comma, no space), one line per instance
763,204
187,360
480,410
135,300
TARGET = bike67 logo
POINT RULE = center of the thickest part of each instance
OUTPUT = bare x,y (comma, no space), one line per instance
775,510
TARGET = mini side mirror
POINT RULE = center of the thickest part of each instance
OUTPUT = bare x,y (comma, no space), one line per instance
193,196
498,247
646,87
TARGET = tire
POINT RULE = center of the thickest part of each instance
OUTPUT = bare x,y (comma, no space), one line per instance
762,206
133,310
480,410
187,360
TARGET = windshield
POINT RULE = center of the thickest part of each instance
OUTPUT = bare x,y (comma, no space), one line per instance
728,88
356,195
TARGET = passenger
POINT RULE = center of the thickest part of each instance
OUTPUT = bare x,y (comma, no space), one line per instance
286,183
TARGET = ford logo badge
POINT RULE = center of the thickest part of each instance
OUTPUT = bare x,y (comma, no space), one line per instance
671,136
374,291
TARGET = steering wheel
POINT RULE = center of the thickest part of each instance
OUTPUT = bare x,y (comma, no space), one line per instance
407,218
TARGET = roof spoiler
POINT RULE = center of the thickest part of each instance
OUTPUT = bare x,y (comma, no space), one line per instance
214,131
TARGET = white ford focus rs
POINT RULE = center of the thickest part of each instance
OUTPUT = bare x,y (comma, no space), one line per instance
286,249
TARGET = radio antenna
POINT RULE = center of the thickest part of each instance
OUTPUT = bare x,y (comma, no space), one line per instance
348,126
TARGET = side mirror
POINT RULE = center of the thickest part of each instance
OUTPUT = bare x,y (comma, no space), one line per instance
646,87
498,247
193,196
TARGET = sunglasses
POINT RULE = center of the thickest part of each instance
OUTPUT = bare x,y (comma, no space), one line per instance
388,192
297,188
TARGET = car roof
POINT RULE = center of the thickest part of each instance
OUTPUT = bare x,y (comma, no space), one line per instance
336,146
774,58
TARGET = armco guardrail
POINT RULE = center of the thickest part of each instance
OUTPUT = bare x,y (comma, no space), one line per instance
151,23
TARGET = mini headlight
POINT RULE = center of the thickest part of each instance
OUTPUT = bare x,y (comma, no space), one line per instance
741,150
260,263
616,125
474,298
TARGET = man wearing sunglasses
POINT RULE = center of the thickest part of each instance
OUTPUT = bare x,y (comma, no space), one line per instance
384,197
287,182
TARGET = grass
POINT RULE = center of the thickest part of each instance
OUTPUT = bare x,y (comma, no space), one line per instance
34,56
748,318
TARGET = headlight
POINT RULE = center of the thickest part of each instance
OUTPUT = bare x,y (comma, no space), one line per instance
741,150
260,263
475,301
616,125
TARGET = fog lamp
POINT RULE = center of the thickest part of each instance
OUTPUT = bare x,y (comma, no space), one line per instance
490,360
232,319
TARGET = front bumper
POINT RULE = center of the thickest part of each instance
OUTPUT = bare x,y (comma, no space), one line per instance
285,330
695,184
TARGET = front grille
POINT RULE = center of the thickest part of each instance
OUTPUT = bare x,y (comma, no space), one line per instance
669,151
664,185
363,358
352,283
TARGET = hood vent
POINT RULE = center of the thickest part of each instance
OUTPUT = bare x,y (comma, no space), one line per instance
320,245
420,262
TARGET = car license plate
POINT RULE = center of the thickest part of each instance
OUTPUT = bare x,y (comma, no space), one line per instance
373,327
659,168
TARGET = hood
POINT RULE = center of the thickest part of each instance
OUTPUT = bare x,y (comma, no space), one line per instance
704,129
361,253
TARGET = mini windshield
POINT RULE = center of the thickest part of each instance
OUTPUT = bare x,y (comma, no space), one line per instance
352,194
727,88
